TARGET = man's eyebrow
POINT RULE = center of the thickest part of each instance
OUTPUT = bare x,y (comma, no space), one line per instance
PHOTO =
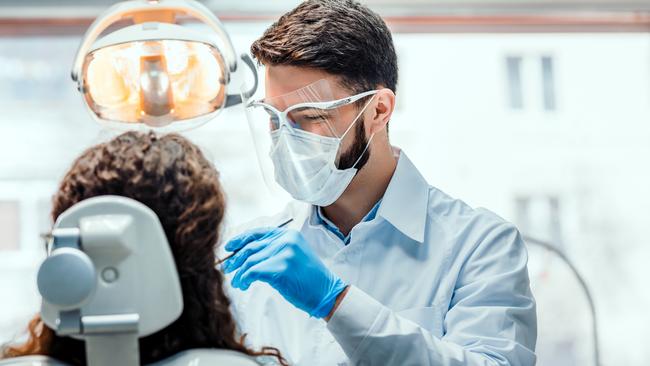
310,109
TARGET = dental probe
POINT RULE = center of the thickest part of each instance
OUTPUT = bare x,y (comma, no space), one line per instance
236,251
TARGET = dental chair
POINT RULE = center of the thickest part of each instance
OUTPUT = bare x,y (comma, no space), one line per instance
110,279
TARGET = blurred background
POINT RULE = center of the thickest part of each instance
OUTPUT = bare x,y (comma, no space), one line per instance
537,110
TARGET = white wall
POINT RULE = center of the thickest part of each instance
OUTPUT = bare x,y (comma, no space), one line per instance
453,120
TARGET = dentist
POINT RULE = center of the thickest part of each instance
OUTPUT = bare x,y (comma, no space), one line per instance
376,267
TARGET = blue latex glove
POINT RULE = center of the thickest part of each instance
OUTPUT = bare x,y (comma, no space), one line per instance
282,258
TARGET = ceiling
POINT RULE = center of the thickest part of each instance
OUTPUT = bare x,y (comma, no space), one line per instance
76,8
19,17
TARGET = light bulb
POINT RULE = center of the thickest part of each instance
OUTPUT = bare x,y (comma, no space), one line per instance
155,82
155,90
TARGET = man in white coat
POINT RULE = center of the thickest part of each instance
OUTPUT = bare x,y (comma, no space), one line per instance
376,267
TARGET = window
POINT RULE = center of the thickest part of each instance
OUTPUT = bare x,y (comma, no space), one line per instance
515,93
548,83
9,226
520,87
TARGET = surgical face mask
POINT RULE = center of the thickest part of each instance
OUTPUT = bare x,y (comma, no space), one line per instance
305,163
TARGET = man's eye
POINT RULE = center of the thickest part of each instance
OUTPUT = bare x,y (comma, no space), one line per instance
314,118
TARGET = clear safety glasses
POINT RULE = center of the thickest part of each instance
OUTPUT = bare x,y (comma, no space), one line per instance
314,117
311,109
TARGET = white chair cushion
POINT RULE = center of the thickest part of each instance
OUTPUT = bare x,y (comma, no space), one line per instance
207,357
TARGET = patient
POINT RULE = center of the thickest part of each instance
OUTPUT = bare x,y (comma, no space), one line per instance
172,177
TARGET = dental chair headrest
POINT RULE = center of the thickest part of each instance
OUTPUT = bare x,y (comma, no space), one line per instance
110,278
109,270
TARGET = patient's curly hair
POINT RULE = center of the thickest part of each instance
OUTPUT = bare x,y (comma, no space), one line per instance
171,176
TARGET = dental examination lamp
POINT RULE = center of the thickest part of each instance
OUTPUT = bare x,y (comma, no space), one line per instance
138,68
110,279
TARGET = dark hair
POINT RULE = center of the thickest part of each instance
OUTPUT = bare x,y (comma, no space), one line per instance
171,176
341,37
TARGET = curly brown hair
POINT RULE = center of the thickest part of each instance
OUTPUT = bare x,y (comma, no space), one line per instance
171,176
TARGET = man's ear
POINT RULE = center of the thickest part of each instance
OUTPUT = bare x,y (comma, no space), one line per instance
380,110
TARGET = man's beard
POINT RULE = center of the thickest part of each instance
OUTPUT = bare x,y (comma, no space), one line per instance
355,152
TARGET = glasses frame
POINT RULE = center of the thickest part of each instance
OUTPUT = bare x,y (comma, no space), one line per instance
282,115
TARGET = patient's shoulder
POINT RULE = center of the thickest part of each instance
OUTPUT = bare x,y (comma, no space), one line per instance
208,357
35,360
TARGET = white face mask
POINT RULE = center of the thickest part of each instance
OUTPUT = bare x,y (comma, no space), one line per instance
305,164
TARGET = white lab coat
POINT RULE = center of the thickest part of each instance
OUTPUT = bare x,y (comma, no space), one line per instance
433,282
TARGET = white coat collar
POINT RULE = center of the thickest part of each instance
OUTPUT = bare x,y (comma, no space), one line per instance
405,203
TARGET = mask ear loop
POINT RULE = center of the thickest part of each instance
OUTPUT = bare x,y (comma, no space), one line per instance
364,151
353,123
357,117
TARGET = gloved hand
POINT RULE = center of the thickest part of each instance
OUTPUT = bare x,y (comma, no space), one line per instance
282,258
